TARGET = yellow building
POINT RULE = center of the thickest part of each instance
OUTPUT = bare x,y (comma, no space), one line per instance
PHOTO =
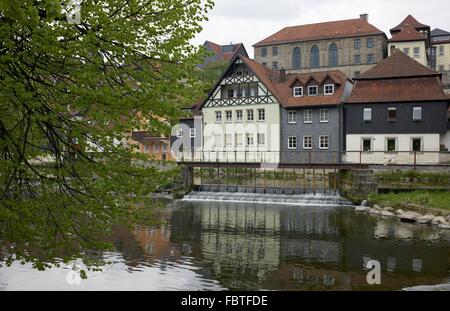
440,42
412,38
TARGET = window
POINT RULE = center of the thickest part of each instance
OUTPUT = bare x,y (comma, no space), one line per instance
217,140
324,142
357,73
238,115
263,52
313,90
292,142
315,57
333,55
156,147
228,116
417,113
264,64
231,93
367,144
367,114
324,115
238,139
243,91
250,115
416,144
357,59
261,115
328,89
274,65
441,50
391,144
292,116
370,43
296,58
357,43
192,132
180,133
249,139
218,116
370,59
298,91
406,51
228,141
307,116
275,51
164,148
441,68
253,91
392,114
145,147
307,142
261,139
416,52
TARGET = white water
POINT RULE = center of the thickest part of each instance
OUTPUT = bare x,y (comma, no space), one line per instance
279,199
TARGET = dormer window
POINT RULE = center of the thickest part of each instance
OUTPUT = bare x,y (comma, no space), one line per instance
313,90
297,91
328,89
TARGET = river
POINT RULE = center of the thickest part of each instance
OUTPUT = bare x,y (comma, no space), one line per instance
248,246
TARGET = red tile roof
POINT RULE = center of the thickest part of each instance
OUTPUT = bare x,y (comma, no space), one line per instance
282,90
409,20
398,78
336,29
397,65
407,33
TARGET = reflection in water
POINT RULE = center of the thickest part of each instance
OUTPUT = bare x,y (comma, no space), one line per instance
213,246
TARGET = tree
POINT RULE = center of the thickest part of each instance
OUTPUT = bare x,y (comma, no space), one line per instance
68,93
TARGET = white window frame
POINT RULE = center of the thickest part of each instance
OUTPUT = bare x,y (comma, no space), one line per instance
367,109
386,144
228,116
156,147
296,88
305,112
327,115
441,50
263,111
406,51
292,120
392,109
325,92
228,140
320,142
416,55
310,87
371,143
304,140
217,140
218,115
258,141
192,132
239,119
252,114
418,108
238,142
292,140
249,137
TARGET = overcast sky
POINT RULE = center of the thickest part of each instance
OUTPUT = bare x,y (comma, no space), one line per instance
250,21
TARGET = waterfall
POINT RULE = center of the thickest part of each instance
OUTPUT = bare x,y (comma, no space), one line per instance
318,199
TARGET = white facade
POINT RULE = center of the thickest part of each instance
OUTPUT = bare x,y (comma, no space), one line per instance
442,57
411,48
242,128
403,154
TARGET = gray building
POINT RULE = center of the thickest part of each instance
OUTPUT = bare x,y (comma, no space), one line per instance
312,118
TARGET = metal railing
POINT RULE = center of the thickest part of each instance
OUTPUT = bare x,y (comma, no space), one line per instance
316,157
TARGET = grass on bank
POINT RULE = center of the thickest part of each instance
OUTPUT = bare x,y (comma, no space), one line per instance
430,199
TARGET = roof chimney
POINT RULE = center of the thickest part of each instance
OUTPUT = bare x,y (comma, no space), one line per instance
364,16
282,75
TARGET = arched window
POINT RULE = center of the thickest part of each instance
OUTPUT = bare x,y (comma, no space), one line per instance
315,57
296,58
333,55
